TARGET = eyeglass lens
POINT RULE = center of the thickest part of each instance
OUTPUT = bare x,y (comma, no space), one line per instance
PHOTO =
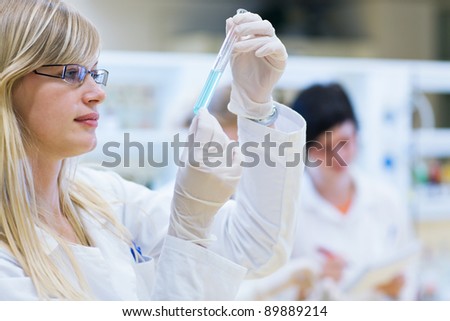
77,74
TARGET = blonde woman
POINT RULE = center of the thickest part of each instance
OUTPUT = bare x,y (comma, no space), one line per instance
88,234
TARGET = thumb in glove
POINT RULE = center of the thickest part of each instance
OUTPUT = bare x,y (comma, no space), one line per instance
201,186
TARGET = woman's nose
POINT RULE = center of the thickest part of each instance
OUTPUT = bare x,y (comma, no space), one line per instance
95,93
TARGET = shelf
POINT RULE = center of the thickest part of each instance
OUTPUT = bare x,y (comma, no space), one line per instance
432,143
431,202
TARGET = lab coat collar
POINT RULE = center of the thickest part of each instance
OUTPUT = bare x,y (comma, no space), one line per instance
50,244
313,202
110,278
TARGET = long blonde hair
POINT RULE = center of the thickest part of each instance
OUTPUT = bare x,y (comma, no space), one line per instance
34,33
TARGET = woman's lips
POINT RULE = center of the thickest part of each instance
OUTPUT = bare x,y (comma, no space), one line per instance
88,119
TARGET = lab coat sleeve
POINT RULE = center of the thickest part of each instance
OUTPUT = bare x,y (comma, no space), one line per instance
256,230
184,270
190,272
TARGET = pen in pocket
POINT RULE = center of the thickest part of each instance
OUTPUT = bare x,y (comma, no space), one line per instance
136,252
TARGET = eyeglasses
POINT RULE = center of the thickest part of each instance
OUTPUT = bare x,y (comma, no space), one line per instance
73,73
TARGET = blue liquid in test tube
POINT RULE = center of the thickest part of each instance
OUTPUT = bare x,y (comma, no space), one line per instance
217,70
208,90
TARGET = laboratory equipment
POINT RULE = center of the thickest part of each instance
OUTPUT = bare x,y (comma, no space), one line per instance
216,71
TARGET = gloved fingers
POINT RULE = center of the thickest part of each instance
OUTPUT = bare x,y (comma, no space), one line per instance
219,138
269,47
205,127
250,45
193,126
229,23
263,46
210,139
255,28
241,18
275,53
274,48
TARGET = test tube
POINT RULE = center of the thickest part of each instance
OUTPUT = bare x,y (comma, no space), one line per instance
217,70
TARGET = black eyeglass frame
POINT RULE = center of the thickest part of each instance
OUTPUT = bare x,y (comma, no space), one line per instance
82,76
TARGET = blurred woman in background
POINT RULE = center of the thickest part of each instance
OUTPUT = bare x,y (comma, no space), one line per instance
347,221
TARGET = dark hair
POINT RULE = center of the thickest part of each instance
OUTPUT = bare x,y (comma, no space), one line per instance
323,106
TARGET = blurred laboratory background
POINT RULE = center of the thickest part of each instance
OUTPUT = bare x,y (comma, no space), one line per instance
393,57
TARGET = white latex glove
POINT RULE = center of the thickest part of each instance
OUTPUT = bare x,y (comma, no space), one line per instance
257,63
201,189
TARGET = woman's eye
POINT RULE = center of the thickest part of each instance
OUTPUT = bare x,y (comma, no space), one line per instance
72,73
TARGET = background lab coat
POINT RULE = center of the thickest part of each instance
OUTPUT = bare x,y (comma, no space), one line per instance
376,227
255,232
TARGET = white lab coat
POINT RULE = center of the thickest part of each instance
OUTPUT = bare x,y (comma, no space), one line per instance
376,227
254,233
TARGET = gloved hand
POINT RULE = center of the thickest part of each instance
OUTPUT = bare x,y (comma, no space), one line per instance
201,188
257,63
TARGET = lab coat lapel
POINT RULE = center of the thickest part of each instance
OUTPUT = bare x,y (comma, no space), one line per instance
118,272
90,261
315,204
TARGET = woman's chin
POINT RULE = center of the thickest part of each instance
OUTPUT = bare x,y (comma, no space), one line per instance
83,148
